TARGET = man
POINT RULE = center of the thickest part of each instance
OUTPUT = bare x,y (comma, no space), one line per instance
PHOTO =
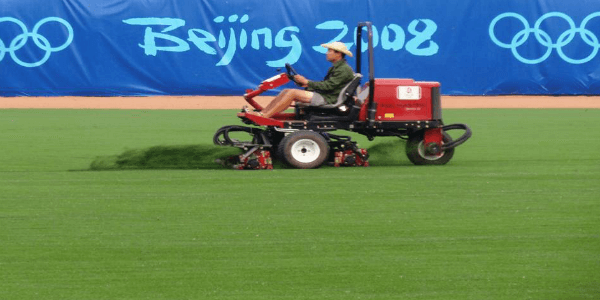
317,93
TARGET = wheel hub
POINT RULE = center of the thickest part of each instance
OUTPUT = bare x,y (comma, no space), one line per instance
430,152
305,150
433,149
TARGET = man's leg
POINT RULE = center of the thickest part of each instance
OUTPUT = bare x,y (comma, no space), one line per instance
285,99
275,100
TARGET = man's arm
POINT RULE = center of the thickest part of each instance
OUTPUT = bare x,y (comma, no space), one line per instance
339,77
301,80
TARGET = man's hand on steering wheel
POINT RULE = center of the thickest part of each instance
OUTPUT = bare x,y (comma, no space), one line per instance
299,80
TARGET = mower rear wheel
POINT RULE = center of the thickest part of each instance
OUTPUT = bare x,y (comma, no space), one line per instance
303,149
417,154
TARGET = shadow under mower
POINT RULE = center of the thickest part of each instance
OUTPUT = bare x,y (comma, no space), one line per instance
403,108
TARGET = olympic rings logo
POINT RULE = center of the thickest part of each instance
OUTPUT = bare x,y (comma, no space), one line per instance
544,38
40,41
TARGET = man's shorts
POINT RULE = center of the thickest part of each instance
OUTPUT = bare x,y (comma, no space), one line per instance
317,100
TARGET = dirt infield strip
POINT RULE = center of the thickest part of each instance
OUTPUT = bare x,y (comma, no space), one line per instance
236,102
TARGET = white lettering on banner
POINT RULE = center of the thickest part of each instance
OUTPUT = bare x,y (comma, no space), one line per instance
225,47
228,41
413,46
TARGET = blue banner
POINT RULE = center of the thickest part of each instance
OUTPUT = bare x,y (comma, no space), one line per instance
119,47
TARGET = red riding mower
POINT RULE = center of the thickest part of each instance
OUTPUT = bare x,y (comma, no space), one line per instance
401,108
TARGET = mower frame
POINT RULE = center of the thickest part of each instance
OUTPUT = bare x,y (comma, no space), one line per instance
422,125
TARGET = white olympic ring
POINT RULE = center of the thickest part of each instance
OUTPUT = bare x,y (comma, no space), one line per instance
544,38
40,41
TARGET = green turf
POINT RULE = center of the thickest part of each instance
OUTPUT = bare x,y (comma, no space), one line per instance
514,215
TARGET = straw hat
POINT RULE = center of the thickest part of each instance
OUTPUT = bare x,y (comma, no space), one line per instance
338,46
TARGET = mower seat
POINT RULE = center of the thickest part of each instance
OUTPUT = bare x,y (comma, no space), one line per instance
344,109
347,91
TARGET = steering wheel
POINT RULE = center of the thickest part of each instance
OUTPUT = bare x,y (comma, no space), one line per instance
290,71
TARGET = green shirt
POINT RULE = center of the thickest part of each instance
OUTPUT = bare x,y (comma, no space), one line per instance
336,79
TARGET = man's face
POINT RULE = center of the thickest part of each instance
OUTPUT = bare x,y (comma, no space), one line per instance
333,55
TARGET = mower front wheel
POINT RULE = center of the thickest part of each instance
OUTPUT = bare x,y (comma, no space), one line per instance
417,154
303,149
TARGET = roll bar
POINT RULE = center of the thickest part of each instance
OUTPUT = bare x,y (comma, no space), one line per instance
372,108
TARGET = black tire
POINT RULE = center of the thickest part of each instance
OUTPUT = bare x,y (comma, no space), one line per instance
303,149
275,139
415,150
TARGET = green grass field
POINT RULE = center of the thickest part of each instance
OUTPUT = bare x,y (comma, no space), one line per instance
514,215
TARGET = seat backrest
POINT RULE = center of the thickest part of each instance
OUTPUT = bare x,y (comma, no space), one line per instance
347,91
362,95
